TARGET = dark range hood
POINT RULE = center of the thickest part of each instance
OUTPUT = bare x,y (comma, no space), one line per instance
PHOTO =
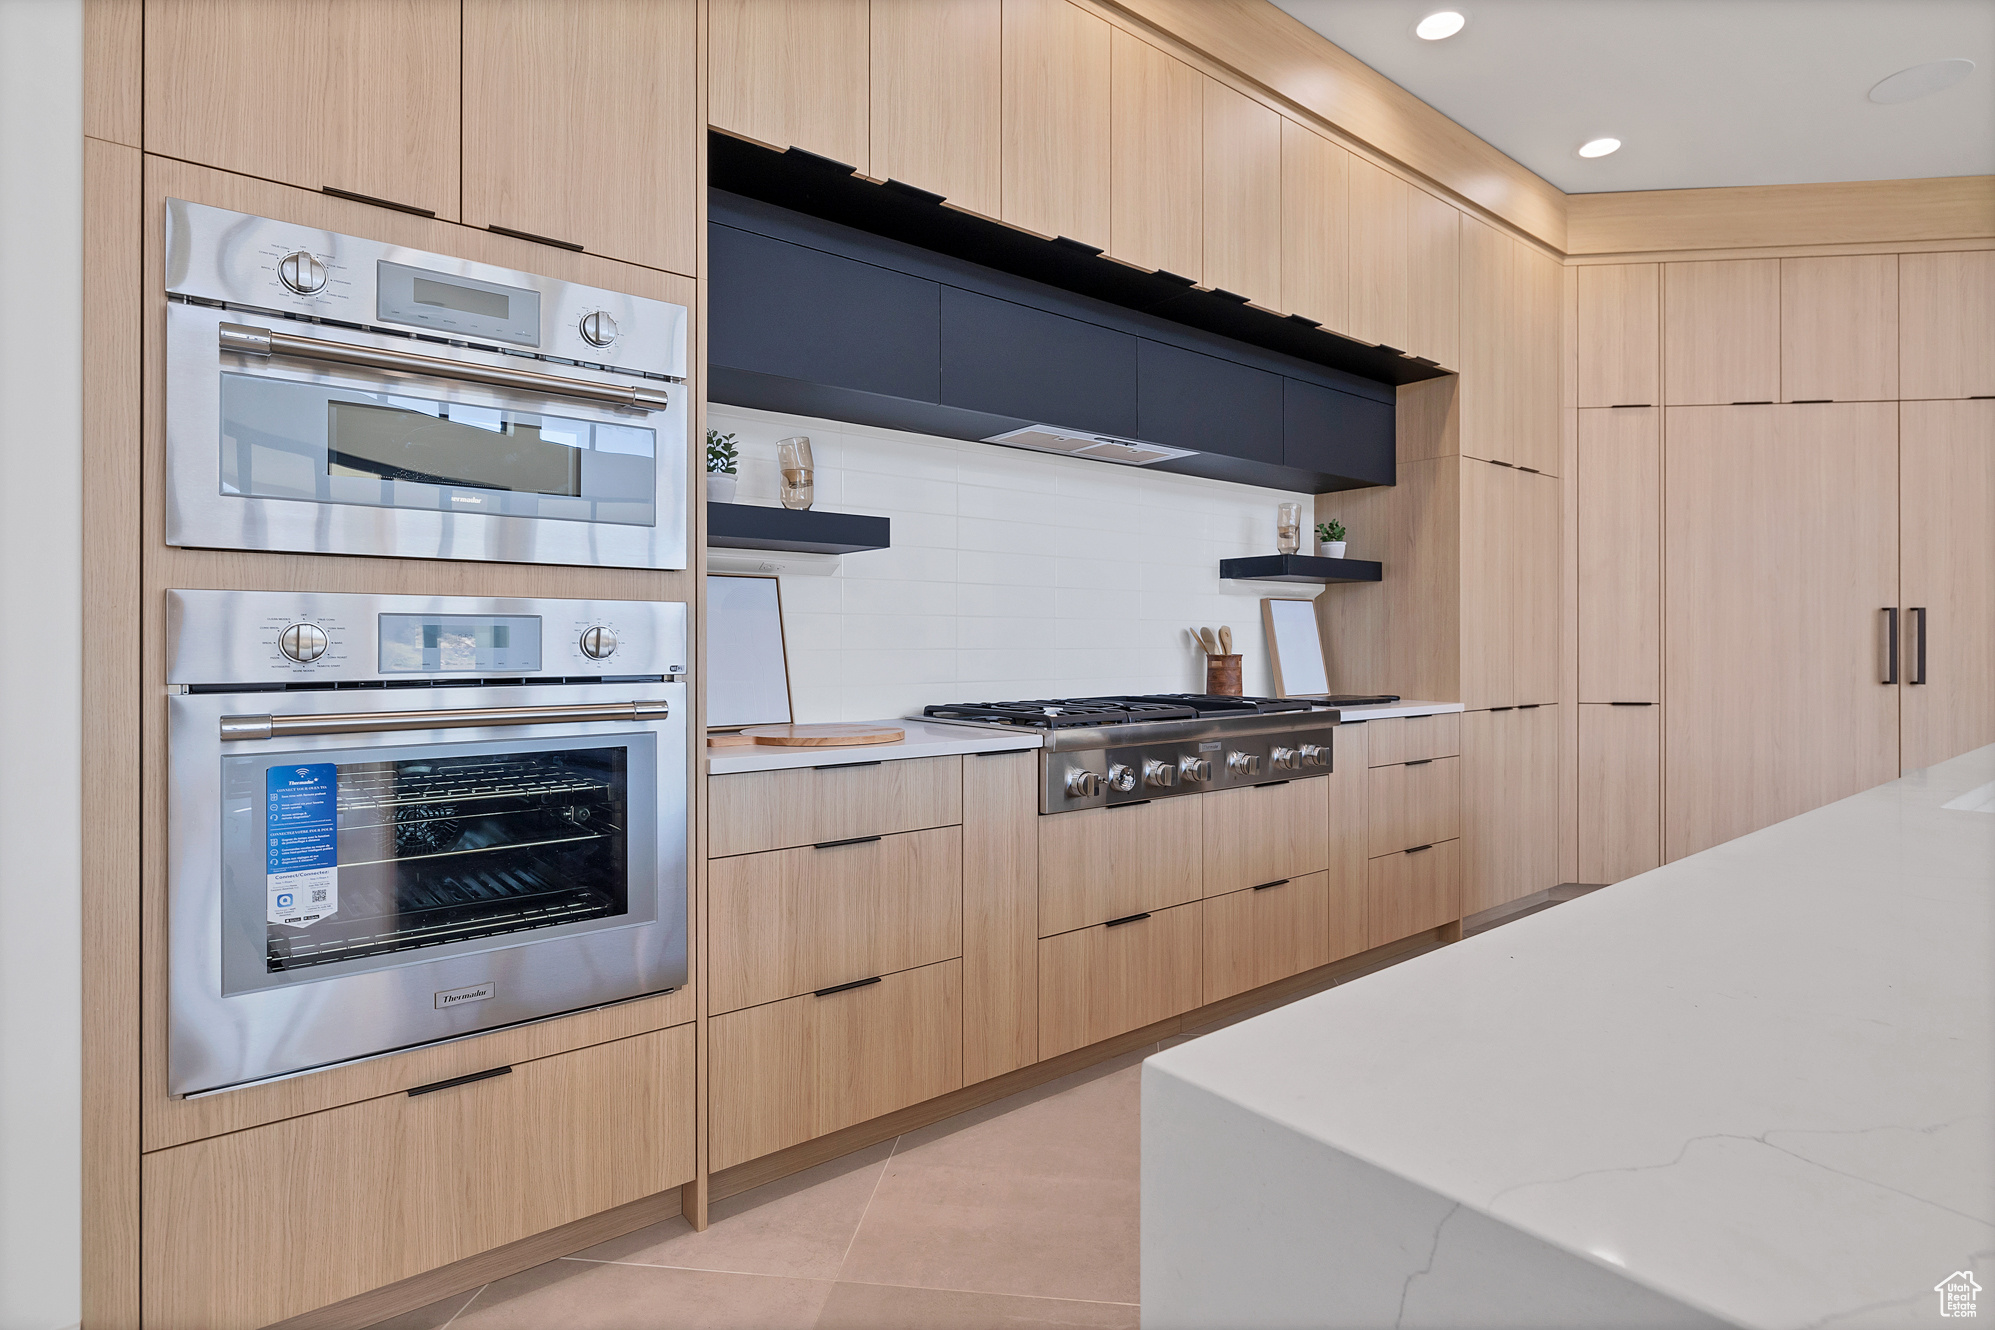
819,317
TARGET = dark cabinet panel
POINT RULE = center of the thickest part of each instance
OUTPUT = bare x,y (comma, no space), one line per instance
800,313
1010,360
1332,433
1188,400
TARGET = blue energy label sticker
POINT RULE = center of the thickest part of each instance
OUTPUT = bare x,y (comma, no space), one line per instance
301,844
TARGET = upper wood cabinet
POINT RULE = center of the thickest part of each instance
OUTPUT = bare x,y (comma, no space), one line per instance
1486,383
936,92
1721,332
1242,209
1509,586
1316,250
1379,200
1946,337
1055,136
787,72
1536,339
1839,329
1157,114
1620,555
1620,334
359,95
541,156
1433,279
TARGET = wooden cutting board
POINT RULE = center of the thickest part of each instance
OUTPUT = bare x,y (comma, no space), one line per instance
824,736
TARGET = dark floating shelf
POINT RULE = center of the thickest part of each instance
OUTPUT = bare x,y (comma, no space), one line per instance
1301,568
747,526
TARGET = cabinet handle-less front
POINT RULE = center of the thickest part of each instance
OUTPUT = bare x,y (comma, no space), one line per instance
1890,644
251,341
366,722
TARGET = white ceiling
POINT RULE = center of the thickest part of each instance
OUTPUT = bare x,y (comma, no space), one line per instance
1700,92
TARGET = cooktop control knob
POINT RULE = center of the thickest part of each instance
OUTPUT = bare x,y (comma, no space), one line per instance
1121,778
1283,759
1194,768
1243,764
302,642
599,643
598,328
1159,774
1082,783
1314,755
302,272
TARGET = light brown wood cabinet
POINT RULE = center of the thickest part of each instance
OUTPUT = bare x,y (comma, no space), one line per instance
1509,586
936,98
1946,579
1510,813
1263,934
1413,891
1486,382
1242,208
1097,864
1415,803
1536,282
367,101
1156,164
1398,739
1620,555
1839,329
1316,194
1055,130
1095,983
1721,332
248,1228
1433,279
788,1071
1000,913
1946,338
540,154
783,72
750,811
1774,624
1379,203
1263,832
794,921
1620,791
1620,335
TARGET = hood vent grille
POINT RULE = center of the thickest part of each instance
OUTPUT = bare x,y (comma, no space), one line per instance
1098,447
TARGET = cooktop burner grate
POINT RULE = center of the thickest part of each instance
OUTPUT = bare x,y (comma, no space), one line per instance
1063,713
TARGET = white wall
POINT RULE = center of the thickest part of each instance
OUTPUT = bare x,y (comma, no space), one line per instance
41,183
1012,574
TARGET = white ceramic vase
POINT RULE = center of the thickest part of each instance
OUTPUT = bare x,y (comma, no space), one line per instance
1331,549
720,487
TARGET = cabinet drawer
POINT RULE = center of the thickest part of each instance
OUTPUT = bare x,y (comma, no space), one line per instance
1097,982
1103,863
1416,803
1399,739
1413,891
255,1226
1263,832
750,811
1257,936
789,1071
793,921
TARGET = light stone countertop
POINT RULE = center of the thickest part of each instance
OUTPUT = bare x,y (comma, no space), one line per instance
1755,1087
1400,708
924,739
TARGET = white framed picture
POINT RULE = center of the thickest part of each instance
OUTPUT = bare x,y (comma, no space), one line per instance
748,668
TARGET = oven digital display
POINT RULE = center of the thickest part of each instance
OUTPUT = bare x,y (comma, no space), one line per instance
463,299
492,644
446,303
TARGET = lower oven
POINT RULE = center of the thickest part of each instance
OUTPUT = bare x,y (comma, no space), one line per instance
395,820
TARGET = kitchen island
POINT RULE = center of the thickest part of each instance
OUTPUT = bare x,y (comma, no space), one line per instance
1752,1087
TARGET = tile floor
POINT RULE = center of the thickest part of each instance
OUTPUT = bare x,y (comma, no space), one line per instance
1021,1213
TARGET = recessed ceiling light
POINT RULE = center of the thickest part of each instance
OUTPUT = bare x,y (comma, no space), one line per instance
1599,147
1921,81
1436,26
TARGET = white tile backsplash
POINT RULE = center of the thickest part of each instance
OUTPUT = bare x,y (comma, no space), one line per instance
1012,575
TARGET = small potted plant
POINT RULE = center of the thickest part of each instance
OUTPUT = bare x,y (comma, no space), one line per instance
1330,539
722,459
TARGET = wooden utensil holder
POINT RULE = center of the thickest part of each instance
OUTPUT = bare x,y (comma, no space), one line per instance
1222,675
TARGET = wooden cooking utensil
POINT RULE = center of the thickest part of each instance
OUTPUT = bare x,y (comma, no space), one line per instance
1225,640
824,736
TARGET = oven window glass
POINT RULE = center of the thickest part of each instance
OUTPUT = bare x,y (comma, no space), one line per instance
359,859
286,439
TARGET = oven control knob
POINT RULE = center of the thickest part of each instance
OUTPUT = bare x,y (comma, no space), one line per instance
302,642
598,328
1159,773
1121,778
1194,768
1082,783
599,643
1315,755
1283,759
302,272
1243,764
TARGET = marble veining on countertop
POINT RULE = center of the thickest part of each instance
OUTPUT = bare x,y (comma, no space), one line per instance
924,739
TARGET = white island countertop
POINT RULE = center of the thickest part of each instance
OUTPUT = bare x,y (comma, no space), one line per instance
1755,1087
1404,707
924,739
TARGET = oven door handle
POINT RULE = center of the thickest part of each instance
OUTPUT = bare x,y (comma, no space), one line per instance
376,722
245,339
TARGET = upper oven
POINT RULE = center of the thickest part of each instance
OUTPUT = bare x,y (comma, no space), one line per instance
330,394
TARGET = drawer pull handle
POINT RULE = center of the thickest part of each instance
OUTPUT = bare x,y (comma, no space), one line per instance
456,1081
1278,882
846,766
1126,919
1631,704
846,988
1270,784
1418,848
850,840
1529,706
1503,708
1418,762
1133,803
